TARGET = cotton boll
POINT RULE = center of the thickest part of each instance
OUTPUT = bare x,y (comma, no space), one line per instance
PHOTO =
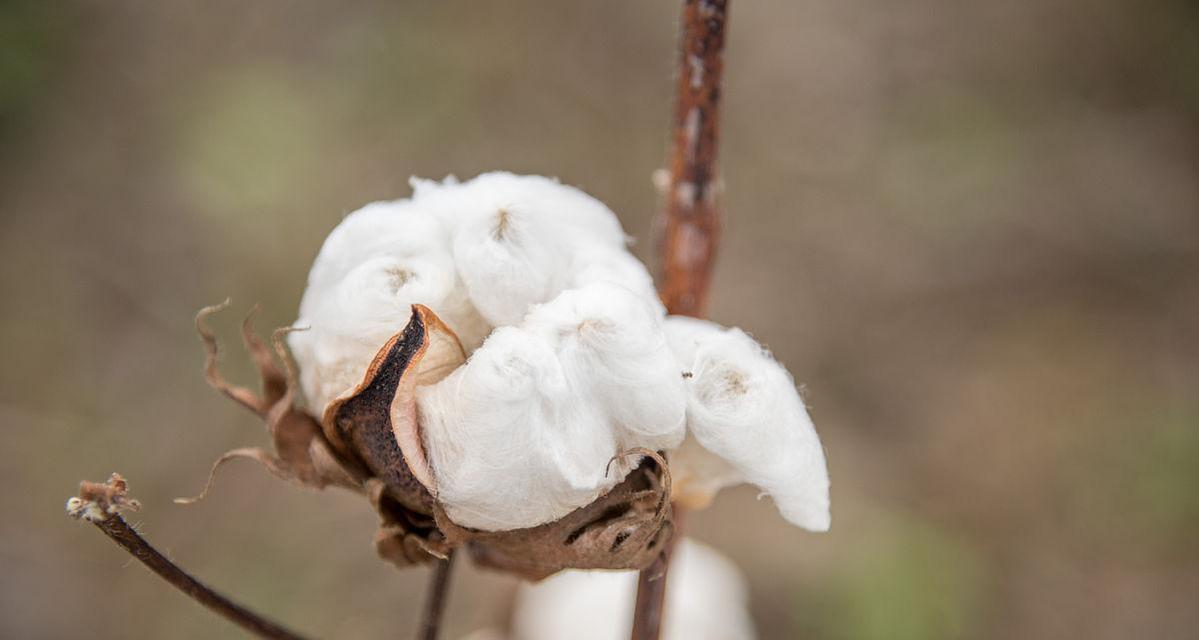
613,339
509,443
744,407
706,600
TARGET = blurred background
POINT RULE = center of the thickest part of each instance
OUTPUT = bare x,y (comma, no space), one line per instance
971,231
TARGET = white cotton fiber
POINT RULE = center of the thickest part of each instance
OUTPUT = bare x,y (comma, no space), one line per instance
372,268
523,433
706,599
743,406
521,240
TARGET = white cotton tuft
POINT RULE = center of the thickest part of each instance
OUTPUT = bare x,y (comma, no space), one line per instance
743,406
523,433
373,267
521,240
707,599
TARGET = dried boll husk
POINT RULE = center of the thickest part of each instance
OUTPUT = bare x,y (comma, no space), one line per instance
370,441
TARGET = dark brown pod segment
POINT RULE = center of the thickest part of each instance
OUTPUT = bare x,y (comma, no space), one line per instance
424,352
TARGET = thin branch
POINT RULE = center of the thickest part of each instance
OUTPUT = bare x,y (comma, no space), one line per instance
691,217
435,597
651,588
100,504
691,226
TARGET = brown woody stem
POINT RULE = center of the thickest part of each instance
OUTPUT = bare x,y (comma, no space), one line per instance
115,527
691,218
690,224
435,597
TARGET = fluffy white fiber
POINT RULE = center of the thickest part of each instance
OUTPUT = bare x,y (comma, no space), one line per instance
743,407
523,433
478,253
571,360
707,600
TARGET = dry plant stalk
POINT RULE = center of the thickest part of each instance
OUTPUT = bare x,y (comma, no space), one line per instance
101,504
690,224
691,219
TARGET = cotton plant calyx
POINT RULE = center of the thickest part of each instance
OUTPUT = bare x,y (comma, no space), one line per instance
749,423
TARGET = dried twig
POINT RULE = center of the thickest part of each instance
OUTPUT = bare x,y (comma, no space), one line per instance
691,224
435,597
100,504
691,219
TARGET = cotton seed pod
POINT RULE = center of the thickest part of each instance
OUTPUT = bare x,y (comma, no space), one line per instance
744,408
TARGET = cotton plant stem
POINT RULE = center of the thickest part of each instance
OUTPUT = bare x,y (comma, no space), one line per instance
115,527
435,597
690,225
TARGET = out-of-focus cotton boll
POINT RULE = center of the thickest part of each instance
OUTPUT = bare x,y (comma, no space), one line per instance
743,406
372,268
521,240
706,600
523,433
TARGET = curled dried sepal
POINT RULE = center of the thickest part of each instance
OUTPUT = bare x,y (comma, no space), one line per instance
302,455
97,501
626,528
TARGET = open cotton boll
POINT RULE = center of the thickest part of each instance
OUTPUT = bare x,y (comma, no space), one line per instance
373,267
523,433
707,599
743,406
